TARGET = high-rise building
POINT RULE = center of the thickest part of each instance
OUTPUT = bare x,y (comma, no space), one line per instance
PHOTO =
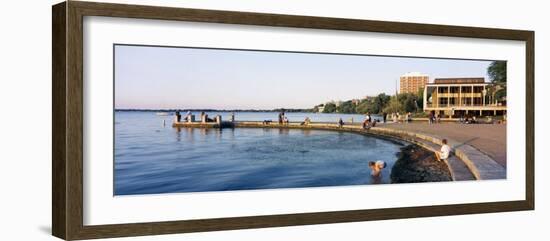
412,82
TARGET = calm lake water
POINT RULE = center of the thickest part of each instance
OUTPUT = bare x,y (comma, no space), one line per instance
151,158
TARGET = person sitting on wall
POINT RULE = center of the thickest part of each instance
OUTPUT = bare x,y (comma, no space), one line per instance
208,119
445,151
285,120
366,124
187,116
376,168
306,121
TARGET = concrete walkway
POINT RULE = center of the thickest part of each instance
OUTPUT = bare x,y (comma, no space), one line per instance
487,138
466,162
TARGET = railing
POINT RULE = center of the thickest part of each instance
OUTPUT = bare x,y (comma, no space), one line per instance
431,105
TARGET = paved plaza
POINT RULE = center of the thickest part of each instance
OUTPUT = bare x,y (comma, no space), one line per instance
488,138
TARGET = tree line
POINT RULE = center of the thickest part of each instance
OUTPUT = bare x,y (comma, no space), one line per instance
405,102
409,102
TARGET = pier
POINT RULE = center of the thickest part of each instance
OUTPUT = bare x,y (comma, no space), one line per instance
468,162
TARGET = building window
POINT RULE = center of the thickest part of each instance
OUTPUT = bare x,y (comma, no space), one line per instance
443,102
478,89
477,101
466,101
466,89
443,89
452,101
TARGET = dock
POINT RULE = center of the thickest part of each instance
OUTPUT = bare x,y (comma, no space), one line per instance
466,163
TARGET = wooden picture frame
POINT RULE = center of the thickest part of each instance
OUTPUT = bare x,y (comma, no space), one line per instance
67,119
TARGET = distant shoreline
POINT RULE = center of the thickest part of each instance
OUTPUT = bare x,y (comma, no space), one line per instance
215,110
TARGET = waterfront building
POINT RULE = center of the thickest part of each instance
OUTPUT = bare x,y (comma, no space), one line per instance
412,82
462,96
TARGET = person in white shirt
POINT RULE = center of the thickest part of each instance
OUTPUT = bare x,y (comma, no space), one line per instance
445,151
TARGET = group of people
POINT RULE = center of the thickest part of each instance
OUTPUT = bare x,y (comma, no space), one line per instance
434,117
467,119
282,118
396,117
368,122
203,117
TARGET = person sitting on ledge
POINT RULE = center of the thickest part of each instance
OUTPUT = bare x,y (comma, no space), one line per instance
206,119
285,120
366,124
445,151
306,121
376,168
187,116
340,123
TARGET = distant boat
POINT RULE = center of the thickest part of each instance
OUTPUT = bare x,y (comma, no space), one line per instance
162,113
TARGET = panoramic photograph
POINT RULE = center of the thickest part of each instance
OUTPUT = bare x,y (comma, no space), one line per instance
208,120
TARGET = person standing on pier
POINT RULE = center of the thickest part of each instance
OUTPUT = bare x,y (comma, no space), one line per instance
340,123
178,116
384,116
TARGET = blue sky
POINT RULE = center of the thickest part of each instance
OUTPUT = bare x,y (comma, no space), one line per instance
187,78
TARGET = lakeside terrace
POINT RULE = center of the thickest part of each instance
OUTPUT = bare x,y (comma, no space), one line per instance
479,150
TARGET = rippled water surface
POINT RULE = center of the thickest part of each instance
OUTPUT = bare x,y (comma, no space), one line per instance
152,158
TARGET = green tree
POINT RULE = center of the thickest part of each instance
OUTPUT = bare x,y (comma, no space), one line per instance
394,105
347,107
497,73
363,107
374,105
408,102
329,108
420,99
380,102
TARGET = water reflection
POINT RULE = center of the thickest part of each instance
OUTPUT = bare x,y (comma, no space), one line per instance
153,160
